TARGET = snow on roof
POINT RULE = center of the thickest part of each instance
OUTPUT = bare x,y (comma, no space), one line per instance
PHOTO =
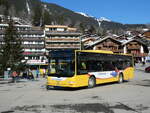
133,40
86,39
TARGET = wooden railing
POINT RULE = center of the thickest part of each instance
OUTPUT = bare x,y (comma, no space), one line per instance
62,33
63,46
134,47
34,53
33,39
62,40
33,46
139,54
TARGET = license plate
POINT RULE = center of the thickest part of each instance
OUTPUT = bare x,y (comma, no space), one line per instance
58,79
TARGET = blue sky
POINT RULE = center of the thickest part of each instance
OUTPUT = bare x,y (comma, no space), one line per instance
124,11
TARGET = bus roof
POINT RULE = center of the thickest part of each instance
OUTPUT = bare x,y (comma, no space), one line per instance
102,51
95,51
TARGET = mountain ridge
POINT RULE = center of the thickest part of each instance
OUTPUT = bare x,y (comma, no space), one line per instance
55,14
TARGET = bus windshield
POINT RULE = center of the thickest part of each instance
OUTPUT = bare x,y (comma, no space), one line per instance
61,67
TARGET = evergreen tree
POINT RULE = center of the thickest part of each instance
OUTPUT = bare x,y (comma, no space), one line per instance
0,20
47,18
11,52
102,32
5,9
60,20
92,30
37,17
82,27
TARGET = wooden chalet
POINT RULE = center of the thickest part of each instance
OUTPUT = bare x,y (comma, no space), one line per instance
146,35
107,43
137,48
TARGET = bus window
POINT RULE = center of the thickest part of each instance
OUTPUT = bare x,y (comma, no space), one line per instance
82,67
94,66
100,66
119,65
89,66
127,63
108,66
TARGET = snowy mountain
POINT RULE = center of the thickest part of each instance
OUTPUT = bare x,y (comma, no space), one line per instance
26,9
84,14
98,19
103,19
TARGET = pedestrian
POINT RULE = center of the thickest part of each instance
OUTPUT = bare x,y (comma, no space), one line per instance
34,73
37,73
143,63
30,76
44,73
21,75
25,74
14,76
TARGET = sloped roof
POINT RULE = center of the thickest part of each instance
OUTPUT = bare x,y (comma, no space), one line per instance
128,41
87,39
108,37
146,31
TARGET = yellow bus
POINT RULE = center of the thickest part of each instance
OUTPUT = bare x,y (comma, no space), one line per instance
81,68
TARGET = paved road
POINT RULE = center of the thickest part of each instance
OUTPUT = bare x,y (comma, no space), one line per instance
32,97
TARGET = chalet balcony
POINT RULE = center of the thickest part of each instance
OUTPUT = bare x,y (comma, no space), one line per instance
2,32
134,47
33,39
37,32
117,50
58,46
1,39
38,46
140,54
62,40
63,33
111,44
0,46
33,53
28,39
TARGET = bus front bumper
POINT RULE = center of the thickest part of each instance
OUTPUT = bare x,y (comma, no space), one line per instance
70,84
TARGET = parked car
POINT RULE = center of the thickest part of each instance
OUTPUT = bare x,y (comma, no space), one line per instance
147,69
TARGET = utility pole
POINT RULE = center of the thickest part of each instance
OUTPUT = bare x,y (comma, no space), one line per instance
81,40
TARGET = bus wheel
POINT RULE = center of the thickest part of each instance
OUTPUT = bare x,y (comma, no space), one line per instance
91,82
47,87
120,80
